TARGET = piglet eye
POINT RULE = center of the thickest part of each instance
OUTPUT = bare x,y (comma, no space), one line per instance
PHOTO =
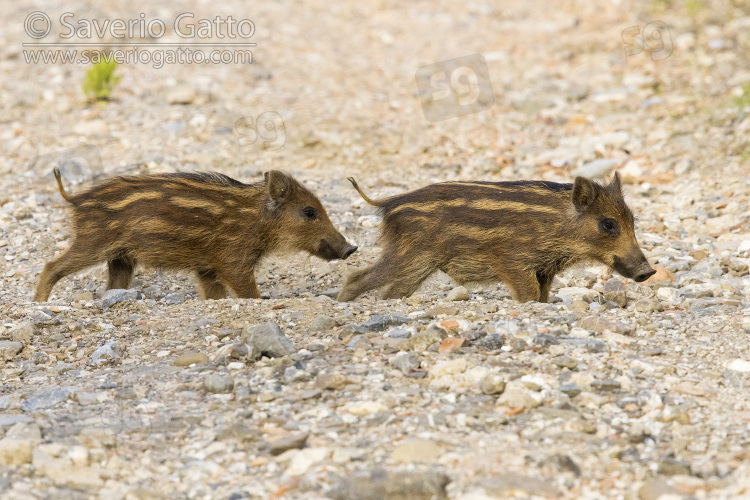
609,226
310,213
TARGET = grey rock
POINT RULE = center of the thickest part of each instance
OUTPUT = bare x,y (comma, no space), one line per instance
656,488
591,345
323,324
571,389
9,420
9,349
46,399
422,340
492,383
406,362
107,353
291,442
381,484
398,333
293,374
380,322
116,295
565,362
491,342
330,381
545,340
506,485
175,298
614,291
670,466
605,385
218,384
23,332
268,339
564,463
648,305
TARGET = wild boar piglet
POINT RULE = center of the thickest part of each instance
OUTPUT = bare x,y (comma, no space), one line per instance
205,222
521,233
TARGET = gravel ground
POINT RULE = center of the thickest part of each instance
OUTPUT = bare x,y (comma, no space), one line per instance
613,390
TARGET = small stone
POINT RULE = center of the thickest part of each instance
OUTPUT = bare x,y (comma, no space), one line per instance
416,450
406,362
739,365
516,395
290,442
656,488
457,294
662,274
699,254
492,342
670,466
598,324
268,339
545,340
571,389
323,324
293,374
648,305
363,408
46,399
450,344
669,295
330,381
191,358
515,485
17,447
429,484
174,298
22,333
564,463
398,333
422,340
9,349
107,353
597,168
181,94
492,383
306,458
380,322
116,295
451,367
218,384
614,291
605,385
565,362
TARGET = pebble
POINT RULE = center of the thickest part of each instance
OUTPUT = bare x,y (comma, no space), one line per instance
107,353
181,94
22,333
9,349
656,488
267,339
406,362
415,484
115,295
450,344
323,324
492,383
46,399
381,322
218,384
614,291
457,294
416,450
422,340
191,358
290,442
451,367
363,408
516,395
672,467
330,381
565,362
739,365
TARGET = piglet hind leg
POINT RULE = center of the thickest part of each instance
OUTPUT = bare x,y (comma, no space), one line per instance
78,257
210,285
545,283
368,279
120,271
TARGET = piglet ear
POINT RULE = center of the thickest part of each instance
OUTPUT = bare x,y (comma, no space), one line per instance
279,185
584,193
616,185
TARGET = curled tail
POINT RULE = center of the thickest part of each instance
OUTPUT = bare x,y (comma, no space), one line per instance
58,176
375,203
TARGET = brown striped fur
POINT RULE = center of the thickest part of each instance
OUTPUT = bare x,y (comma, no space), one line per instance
205,222
521,233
